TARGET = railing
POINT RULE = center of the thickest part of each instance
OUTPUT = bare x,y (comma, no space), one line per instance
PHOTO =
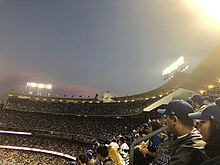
148,136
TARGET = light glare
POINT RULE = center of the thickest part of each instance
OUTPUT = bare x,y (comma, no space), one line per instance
173,66
210,7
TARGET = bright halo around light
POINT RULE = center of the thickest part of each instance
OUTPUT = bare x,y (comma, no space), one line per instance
211,8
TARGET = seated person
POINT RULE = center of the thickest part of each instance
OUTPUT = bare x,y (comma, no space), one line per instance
185,146
209,126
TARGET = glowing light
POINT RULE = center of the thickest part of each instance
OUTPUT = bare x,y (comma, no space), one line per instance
211,86
201,91
39,85
170,71
210,7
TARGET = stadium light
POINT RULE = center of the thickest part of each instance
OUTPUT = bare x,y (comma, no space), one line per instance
201,91
209,9
211,86
178,65
39,86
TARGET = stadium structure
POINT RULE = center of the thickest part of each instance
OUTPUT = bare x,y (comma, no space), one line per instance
57,129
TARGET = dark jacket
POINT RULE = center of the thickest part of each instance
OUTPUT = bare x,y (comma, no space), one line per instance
213,151
214,161
186,150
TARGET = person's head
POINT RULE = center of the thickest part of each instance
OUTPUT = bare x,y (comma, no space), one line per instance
114,144
197,101
207,100
89,154
122,140
209,122
102,152
154,125
177,118
82,159
145,126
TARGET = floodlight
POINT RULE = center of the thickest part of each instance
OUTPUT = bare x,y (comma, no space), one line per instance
40,85
173,68
34,85
31,84
48,86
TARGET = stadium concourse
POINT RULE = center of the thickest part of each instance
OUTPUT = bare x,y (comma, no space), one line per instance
56,130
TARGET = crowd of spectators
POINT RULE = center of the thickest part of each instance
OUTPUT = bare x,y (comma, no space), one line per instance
72,123
49,121
27,157
14,157
214,92
69,129
102,127
89,109
52,144
69,147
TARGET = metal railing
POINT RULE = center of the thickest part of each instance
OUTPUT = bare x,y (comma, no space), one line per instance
137,141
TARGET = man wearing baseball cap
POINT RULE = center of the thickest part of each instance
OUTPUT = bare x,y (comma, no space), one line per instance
185,146
209,126
197,102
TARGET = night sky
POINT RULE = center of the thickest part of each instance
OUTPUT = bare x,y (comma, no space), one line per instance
84,47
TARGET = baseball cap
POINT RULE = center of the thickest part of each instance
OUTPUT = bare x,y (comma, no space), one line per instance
145,125
179,108
114,144
197,98
217,101
211,112
89,154
208,98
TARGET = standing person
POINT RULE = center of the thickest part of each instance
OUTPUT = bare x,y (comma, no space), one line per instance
185,146
124,149
209,126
